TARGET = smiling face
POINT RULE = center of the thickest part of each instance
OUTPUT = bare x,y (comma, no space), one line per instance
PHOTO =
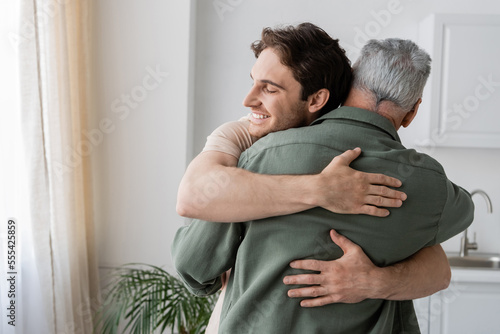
274,98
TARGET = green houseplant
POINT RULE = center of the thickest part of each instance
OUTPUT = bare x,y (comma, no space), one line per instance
145,299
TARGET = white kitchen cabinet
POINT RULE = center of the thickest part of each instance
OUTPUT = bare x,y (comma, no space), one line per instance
470,305
461,101
422,309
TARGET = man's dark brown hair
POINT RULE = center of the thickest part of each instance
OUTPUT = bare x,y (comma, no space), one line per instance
316,60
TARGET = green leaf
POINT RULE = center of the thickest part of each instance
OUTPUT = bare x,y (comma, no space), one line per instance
144,298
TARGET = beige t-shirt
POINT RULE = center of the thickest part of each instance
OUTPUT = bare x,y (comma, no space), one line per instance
232,138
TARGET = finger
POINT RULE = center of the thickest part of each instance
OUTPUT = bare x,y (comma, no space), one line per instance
315,302
313,291
223,279
348,156
307,264
374,211
226,276
345,244
304,279
386,192
383,180
383,201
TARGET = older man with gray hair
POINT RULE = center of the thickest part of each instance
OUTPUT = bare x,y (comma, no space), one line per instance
389,78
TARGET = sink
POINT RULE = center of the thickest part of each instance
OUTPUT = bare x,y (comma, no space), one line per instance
475,262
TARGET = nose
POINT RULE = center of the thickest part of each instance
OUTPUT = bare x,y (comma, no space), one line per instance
252,98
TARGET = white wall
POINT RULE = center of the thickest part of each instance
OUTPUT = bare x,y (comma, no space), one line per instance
226,28
138,164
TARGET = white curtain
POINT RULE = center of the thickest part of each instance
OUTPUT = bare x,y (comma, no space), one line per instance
58,281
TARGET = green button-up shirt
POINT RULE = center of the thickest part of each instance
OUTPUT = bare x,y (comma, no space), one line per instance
260,251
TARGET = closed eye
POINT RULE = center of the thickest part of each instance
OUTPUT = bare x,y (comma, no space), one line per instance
267,90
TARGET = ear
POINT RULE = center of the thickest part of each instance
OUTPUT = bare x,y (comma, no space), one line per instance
410,115
317,100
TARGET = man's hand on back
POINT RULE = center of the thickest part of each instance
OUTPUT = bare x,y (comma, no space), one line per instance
342,189
353,277
348,279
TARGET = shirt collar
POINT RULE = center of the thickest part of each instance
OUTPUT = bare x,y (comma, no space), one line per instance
361,115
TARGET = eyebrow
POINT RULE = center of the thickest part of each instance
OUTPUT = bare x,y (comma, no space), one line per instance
269,82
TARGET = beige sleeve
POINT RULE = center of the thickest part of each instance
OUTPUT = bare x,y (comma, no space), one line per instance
232,138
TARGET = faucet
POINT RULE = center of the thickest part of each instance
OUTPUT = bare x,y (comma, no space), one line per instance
465,245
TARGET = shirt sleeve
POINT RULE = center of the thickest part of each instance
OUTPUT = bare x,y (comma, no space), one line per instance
202,251
232,138
457,214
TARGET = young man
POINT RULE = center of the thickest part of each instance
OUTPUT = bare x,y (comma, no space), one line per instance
266,66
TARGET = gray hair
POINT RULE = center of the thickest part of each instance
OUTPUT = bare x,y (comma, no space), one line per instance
393,70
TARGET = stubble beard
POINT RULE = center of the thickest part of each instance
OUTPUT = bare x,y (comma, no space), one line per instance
297,118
